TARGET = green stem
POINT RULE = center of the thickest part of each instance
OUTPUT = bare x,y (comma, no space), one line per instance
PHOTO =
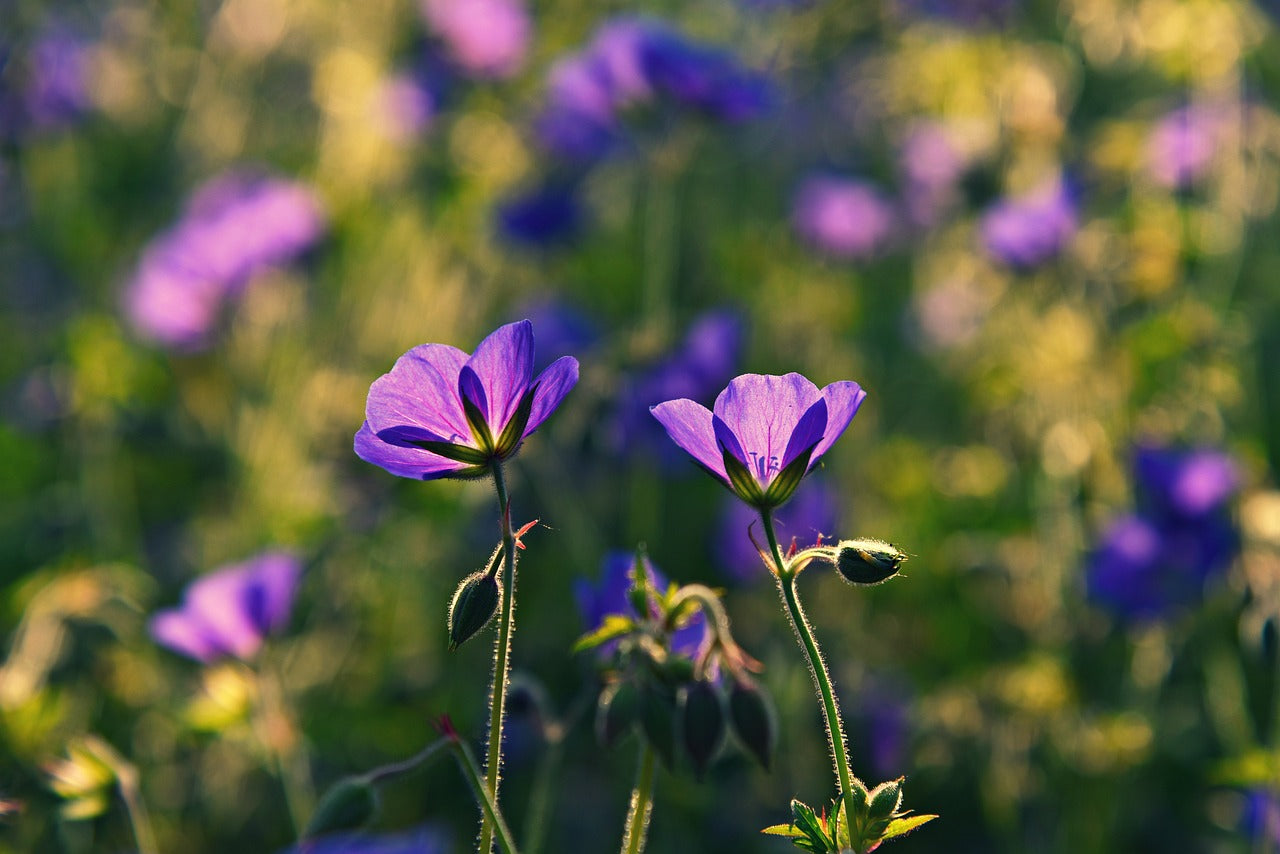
501,659
277,734
633,834
479,787
817,669
129,784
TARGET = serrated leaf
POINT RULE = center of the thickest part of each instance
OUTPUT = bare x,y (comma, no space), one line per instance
814,828
900,826
612,627
783,830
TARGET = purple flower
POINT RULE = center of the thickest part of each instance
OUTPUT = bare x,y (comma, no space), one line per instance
486,38
404,106
232,228
595,602
230,611
424,840
764,433
545,216
1025,232
930,166
562,327
1183,144
812,512
1184,485
57,89
842,217
440,413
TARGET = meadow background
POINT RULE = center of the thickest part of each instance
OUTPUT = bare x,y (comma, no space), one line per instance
1041,235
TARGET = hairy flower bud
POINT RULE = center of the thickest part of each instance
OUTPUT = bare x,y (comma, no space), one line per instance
754,720
473,606
702,724
885,799
351,803
616,712
868,561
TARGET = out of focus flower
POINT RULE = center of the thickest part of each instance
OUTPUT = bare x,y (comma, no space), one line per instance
440,413
1029,230
1261,819
930,165
404,107
813,512
965,12
843,217
85,779
609,596
424,840
547,215
230,611
1160,559
485,38
563,329
765,433
633,61
57,90
1183,145
233,228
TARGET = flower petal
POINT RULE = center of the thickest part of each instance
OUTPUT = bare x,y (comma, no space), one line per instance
503,362
553,384
418,398
404,461
273,581
808,432
220,601
763,412
843,399
185,635
689,425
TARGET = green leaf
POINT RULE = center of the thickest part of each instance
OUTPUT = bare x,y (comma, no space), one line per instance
783,830
613,626
900,826
814,828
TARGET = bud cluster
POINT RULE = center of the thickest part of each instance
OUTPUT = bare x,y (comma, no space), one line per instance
877,816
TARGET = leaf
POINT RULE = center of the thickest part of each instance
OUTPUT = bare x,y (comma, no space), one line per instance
783,830
813,827
612,627
901,826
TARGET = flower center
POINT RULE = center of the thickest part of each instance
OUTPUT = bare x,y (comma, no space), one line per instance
764,467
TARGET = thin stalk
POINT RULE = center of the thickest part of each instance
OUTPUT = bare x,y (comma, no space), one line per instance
277,734
492,814
633,833
128,782
404,766
817,669
501,658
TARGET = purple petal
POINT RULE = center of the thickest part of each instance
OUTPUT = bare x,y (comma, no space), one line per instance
273,581
471,389
553,384
503,362
726,441
843,399
185,635
401,461
419,399
763,412
808,432
689,425
220,602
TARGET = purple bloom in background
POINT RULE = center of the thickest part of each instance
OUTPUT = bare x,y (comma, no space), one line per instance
57,89
1261,819
811,512
230,611
965,12
764,434
930,166
404,106
1027,231
440,413
1183,144
546,216
563,329
424,840
232,228
843,217
485,38
597,601
1184,485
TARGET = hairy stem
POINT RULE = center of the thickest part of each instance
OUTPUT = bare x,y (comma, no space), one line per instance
633,833
817,668
479,787
501,658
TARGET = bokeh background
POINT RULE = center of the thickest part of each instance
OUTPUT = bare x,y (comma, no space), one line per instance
1041,235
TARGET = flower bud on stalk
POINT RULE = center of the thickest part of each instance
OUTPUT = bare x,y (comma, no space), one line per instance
753,720
868,561
617,712
702,723
473,606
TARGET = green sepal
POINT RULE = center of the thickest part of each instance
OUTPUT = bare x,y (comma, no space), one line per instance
514,431
349,804
479,426
900,826
786,481
741,480
612,627
457,453
885,800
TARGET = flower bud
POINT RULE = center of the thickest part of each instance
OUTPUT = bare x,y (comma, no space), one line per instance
867,561
351,803
658,721
885,799
473,606
702,724
616,712
754,720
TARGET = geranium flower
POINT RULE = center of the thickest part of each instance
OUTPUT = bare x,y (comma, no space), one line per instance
441,413
230,611
764,433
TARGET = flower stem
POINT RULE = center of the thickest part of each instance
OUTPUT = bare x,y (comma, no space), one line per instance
276,731
817,669
479,787
501,657
633,833
129,784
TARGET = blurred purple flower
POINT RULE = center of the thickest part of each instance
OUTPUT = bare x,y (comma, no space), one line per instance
931,165
1183,144
404,106
440,413
230,611
597,601
545,216
964,12
57,89
843,217
486,38
424,840
1184,484
765,433
1261,819
1026,231
813,511
563,329
232,228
